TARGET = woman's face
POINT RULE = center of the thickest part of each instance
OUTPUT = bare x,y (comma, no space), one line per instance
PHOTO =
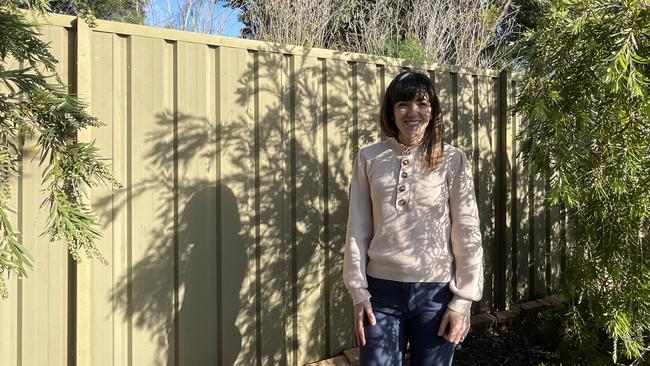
412,118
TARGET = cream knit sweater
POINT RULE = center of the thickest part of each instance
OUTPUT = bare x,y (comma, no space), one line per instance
410,226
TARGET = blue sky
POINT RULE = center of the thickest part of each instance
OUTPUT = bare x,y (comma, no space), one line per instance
234,25
229,16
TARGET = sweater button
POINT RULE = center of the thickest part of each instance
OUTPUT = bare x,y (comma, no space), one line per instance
401,188
401,202
407,151
405,174
405,162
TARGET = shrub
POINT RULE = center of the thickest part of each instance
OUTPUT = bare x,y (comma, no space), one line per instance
585,99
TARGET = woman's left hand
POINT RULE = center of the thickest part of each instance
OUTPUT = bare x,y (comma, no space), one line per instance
458,325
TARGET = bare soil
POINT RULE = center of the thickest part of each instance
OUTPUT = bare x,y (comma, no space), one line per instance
502,347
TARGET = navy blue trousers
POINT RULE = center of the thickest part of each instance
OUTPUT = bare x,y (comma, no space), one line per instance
406,313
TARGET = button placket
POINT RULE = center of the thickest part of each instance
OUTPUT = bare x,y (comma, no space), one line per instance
404,178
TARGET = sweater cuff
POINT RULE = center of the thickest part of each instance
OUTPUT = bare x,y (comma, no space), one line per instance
460,305
359,295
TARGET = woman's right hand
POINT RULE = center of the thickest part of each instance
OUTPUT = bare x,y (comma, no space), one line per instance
361,309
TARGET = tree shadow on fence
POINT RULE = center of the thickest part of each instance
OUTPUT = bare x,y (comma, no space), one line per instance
244,259
179,291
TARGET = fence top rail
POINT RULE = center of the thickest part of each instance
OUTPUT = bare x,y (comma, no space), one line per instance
252,45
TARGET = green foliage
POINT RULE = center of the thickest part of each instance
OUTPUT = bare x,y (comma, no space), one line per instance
34,104
129,11
586,102
408,48
530,13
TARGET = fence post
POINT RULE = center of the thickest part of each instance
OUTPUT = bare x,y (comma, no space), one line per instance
80,275
500,195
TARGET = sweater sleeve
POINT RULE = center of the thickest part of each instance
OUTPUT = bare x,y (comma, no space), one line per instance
467,282
359,232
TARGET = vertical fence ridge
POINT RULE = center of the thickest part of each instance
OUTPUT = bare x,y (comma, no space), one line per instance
355,107
513,207
286,204
257,142
215,131
83,301
19,280
129,200
501,197
70,58
218,59
174,103
326,221
19,333
454,108
294,199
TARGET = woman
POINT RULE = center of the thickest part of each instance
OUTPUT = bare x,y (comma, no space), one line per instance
413,258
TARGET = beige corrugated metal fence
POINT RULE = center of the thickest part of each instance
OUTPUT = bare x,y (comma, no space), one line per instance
225,244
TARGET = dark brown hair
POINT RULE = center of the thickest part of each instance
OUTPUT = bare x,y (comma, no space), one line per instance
404,87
